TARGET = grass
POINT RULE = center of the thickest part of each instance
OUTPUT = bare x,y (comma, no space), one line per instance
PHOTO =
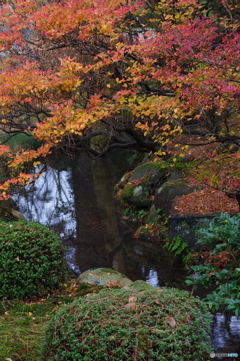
20,333
22,327
22,324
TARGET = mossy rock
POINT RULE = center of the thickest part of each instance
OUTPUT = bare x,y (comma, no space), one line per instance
104,277
134,188
137,195
17,215
169,191
175,175
128,324
152,170
141,285
7,211
153,215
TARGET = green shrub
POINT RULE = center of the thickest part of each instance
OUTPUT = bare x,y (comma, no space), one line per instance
31,260
177,246
219,266
125,324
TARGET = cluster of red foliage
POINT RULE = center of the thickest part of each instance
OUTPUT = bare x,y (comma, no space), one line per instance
220,260
205,201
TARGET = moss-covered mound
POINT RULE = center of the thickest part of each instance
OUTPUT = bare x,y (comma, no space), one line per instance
31,260
121,325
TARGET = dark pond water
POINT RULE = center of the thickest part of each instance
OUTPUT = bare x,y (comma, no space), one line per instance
65,201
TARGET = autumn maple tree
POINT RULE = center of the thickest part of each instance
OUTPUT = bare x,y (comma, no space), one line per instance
95,75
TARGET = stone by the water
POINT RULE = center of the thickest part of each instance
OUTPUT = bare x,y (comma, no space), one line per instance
104,277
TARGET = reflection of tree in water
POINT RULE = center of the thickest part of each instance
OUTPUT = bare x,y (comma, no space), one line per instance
50,201
226,335
93,236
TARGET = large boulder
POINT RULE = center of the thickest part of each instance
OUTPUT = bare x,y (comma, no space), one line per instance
17,214
186,227
104,277
168,192
136,187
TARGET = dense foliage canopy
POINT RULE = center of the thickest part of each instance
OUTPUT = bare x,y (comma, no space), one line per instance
100,74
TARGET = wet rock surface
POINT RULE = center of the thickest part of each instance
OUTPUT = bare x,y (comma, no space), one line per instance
104,277
169,191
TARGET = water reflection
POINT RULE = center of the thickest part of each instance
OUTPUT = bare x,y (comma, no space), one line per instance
152,278
75,218
69,208
226,335
50,201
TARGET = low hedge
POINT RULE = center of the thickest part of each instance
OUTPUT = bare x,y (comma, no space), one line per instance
126,324
31,260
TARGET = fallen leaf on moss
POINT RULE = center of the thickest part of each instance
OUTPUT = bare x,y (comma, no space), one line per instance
130,305
171,321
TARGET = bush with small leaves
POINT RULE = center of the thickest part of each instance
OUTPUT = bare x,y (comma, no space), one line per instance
31,260
129,324
219,266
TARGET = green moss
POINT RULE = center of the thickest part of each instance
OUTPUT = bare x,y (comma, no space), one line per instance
141,285
22,325
109,270
127,324
84,289
173,184
154,165
128,192
129,188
